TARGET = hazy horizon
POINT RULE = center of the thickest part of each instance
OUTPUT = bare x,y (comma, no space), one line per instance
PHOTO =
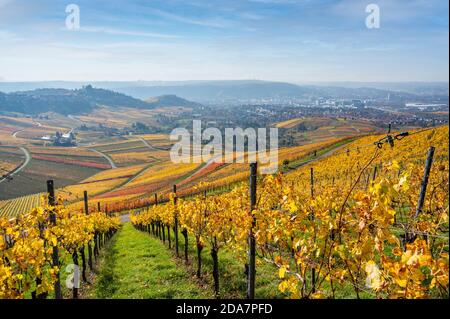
323,82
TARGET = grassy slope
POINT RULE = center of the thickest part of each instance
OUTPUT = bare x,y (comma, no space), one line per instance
233,282
137,266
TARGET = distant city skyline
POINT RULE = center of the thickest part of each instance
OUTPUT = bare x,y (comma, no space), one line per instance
293,41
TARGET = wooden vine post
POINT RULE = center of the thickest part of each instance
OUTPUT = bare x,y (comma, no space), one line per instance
76,275
86,211
82,253
163,229
374,175
313,270
55,253
153,223
423,190
175,228
424,184
200,247
168,236
251,237
184,232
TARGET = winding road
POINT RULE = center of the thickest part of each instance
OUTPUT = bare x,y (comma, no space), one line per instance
17,132
153,148
21,167
109,159
25,151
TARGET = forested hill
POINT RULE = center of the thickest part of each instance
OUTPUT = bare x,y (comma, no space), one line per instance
170,100
76,101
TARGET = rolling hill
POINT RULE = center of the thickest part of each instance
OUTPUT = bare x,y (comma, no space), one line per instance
169,100
78,101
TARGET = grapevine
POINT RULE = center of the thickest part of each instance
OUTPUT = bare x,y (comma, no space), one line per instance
348,229
26,244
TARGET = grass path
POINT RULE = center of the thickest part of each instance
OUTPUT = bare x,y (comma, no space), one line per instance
233,282
137,266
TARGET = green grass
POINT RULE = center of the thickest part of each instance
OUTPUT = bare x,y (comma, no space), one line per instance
232,279
233,282
137,266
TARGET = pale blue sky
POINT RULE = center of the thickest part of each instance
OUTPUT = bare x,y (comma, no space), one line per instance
283,40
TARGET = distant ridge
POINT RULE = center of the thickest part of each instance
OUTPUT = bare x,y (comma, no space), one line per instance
229,91
232,90
78,101
169,100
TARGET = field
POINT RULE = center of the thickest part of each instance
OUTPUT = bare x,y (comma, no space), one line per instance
65,151
76,169
155,179
11,208
119,118
313,130
10,159
32,179
99,183
22,130
70,166
115,173
343,173
64,165
160,174
122,117
228,174
136,150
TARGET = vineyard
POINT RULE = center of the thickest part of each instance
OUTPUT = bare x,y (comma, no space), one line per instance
364,220
72,162
315,130
33,248
192,179
231,158
13,207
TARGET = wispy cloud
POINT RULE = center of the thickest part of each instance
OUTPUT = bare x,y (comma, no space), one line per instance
180,39
208,22
112,31
278,1
251,16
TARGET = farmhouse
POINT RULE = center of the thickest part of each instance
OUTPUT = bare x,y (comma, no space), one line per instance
59,139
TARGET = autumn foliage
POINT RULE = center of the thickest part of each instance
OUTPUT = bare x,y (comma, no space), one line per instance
355,231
